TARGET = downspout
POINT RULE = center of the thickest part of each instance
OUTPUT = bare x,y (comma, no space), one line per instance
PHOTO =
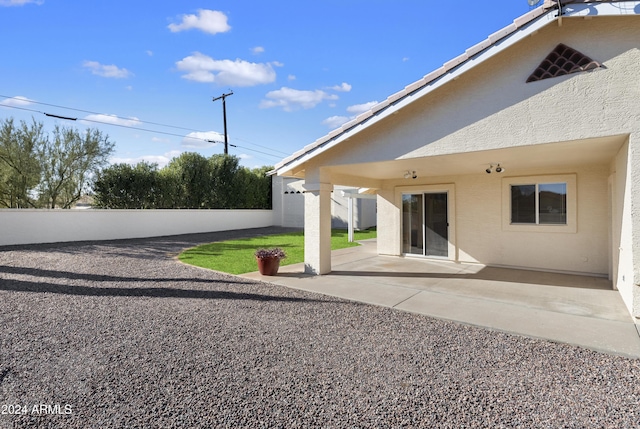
560,13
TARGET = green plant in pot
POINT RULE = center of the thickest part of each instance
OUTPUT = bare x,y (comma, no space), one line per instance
269,260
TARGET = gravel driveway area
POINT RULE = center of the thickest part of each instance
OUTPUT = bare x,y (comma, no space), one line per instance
122,335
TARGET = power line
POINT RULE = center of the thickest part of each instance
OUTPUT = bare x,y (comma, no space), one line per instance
264,147
135,128
109,123
128,119
94,113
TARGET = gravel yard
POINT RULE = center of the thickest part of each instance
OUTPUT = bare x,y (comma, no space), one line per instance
120,334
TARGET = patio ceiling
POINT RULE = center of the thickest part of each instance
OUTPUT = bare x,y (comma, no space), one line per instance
551,155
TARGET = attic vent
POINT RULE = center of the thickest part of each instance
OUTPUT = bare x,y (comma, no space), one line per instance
563,60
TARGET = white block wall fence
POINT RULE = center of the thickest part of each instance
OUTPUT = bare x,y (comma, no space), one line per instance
26,226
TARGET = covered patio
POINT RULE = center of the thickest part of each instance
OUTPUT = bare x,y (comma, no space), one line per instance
572,309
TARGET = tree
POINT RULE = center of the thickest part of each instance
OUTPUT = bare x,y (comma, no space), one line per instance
193,172
68,162
188,181
169,189
256,187
122,186
224,190
19,164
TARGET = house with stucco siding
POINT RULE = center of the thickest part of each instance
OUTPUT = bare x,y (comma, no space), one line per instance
522,152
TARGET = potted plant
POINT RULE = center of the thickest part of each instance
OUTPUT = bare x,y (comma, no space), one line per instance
269,260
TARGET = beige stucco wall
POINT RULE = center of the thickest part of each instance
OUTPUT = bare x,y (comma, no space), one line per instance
621,227
631,220
478,221
491,107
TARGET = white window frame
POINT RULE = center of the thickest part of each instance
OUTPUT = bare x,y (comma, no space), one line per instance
569,227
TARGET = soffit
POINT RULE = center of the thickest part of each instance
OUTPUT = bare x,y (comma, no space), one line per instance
551,155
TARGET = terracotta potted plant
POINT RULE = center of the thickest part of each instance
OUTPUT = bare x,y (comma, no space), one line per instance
269,260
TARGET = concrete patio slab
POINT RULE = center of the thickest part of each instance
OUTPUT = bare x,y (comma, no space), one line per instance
573,309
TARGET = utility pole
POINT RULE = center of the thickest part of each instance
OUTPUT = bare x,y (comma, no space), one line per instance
224,118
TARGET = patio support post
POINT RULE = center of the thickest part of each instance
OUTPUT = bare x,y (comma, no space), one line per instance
350,217
317,228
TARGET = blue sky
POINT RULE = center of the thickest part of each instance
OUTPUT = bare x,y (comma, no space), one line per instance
297,69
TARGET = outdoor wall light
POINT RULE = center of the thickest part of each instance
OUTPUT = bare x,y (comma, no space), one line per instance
410,175
498,169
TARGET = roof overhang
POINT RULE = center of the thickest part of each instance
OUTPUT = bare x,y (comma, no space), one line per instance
554,155
522,27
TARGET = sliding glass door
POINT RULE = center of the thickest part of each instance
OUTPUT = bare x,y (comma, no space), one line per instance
425,224
412,232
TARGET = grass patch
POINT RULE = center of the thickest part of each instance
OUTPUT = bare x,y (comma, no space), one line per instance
236,256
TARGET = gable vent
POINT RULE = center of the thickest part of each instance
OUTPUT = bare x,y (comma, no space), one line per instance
561,61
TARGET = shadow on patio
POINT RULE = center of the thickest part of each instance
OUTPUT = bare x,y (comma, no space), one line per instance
574,309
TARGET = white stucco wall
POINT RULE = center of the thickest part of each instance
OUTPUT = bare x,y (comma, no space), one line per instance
288,205
364,211
18,226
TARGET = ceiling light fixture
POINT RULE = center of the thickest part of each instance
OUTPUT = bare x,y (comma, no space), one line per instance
410,174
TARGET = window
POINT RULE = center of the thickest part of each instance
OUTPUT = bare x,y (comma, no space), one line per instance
545,203
541,203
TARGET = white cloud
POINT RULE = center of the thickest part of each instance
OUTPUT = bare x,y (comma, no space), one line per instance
149,53
161,160
277,64
113,120
344,87
356,109
17,101
198,139
202,68
405,59
110,71
291,77
336,121
257,50
19,2
291,99
209,21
